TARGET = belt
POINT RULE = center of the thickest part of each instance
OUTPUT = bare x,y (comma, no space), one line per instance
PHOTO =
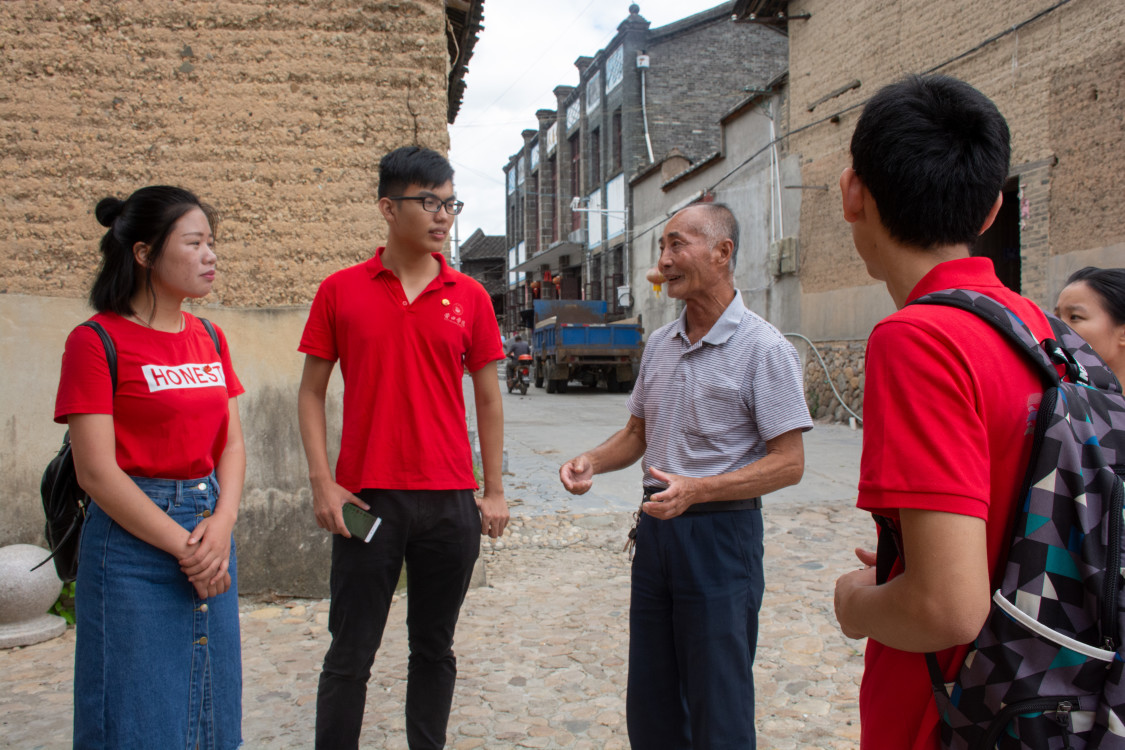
715,506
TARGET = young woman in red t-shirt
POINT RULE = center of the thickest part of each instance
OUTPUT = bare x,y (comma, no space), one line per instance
157,662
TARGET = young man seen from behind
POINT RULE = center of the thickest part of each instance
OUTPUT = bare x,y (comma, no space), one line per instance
948,403
403,325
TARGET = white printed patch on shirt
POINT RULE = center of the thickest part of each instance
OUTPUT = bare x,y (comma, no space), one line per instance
190,375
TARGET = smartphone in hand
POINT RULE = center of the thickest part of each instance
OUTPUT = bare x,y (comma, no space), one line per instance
360,523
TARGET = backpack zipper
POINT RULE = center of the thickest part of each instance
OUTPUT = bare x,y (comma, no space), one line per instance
1060,705
1113,565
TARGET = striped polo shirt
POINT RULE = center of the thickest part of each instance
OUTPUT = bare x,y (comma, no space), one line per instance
710,407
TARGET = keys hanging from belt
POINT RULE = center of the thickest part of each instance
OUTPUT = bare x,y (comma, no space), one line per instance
631,542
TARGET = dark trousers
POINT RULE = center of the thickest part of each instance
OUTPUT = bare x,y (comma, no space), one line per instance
437,533
697,587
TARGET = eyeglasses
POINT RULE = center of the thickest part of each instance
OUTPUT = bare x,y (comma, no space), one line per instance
432,203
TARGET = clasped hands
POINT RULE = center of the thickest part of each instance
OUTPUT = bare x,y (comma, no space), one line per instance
206,559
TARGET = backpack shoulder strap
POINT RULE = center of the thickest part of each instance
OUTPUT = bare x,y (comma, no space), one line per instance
1082,362
212,333
110,350
1004,321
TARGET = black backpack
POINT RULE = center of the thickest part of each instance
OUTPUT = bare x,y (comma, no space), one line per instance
1046,670
64,501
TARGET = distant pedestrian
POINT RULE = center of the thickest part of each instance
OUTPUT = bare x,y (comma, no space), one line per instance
1093,304
403,325
157,661
947,402
717,415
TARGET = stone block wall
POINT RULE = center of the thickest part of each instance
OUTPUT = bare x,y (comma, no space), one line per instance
275,112
843,361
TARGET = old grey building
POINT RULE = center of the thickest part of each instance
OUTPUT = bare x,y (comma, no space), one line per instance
483,256
652,93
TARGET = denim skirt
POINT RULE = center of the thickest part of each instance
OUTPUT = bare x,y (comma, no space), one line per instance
155,666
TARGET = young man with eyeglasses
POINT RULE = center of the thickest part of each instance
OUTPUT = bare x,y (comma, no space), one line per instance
404,326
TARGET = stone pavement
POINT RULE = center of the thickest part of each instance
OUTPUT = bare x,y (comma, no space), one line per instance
541,649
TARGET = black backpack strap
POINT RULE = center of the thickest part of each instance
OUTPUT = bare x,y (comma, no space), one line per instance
212,333
1007,323
110,349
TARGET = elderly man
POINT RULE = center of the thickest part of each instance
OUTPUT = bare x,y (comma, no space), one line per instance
717,414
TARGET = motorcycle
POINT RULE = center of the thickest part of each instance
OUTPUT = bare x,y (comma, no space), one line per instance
519,375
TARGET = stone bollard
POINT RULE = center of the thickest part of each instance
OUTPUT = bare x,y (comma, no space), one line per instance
26,595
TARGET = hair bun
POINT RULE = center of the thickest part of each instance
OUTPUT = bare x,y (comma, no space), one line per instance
107,210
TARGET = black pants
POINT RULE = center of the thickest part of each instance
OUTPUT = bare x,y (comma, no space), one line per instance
438,535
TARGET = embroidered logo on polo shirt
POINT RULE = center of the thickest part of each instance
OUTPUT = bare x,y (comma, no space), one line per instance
191,375
455,314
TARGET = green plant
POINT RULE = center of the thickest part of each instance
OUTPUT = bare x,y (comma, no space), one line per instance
64,605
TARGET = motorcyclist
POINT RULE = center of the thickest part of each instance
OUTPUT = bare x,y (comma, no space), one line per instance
518,347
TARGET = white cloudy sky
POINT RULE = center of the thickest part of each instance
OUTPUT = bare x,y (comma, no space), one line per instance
512,73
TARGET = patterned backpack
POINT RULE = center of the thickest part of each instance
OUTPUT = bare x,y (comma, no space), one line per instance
1047,669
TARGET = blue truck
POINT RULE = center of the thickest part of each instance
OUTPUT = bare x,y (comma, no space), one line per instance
573,342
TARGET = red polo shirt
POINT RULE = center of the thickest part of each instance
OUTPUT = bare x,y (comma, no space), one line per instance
402,363
947,416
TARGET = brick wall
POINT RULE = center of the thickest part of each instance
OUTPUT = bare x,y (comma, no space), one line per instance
684,102
1057,81
277,113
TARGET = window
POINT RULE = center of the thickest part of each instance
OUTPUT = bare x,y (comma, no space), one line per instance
552,138
615,135
511,181
595,218
534,155
595,158
575,175
615,206
614,69
573,113
593,92
521,171
547,184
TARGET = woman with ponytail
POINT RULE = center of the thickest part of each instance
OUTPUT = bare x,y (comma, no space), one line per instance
157,662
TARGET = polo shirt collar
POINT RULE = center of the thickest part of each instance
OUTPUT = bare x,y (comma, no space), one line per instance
375,266
976,273
724,327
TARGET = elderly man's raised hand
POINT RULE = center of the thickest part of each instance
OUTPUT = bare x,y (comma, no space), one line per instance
577,475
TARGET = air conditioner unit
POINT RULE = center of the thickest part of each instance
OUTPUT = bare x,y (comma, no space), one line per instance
578,237
624,296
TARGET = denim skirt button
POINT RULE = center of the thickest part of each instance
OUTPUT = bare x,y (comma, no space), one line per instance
201,486
206,514
203,607
203,641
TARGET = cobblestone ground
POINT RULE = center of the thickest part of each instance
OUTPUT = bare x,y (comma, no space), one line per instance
541,649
